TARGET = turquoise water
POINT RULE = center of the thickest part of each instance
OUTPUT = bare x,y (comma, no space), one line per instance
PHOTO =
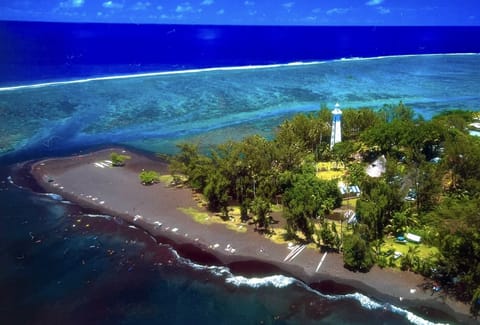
154,112
69,275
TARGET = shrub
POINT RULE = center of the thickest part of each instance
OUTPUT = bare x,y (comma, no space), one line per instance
118,159
149,177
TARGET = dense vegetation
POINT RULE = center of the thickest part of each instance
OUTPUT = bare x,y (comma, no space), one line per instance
434,163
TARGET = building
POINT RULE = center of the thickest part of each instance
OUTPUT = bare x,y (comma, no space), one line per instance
336,126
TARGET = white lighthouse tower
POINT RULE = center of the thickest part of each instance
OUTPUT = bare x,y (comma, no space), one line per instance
336,126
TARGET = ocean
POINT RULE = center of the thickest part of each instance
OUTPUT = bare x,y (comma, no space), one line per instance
70,88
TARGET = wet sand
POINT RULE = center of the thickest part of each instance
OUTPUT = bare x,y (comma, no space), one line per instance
88,181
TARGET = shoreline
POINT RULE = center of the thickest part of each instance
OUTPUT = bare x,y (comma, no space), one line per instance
117,191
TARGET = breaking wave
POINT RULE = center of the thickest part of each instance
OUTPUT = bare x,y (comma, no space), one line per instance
281,281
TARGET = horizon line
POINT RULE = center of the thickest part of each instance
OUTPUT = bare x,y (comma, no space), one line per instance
16,20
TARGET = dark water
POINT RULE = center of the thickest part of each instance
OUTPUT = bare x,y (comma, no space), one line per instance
50,51
64,265
61,265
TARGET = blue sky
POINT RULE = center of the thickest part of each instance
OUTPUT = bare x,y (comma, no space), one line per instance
248,12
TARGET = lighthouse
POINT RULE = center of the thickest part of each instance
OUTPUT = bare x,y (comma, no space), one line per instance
336,126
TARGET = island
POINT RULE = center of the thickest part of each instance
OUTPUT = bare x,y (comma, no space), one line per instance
389,209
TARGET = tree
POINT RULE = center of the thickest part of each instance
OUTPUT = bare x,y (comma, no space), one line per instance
309,198
244,210
475,303
343,151
289,147
462,156
191,163
355,121
329,235
402,222
460,258
410,261
400,112
377,204
216,193
429,186
357,254
261,207
356,174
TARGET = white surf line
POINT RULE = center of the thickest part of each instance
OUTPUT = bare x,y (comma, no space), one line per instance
162,73
234,68
294,249
297,253
321,262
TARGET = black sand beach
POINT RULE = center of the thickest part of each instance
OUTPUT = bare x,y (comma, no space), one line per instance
89,182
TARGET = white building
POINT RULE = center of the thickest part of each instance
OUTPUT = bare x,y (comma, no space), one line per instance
336,126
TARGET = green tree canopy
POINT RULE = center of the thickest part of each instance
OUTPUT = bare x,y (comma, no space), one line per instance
357,254
309,198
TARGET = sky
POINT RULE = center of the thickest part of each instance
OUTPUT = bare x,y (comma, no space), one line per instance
248,12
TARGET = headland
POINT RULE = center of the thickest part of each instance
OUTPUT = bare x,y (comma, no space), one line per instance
90,181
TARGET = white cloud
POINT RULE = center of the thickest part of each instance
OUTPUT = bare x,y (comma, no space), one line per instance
140,5
184,7
159,7
72,4
288,5
207,2
374,2
249,3
383,10
112,5
338,11
220,12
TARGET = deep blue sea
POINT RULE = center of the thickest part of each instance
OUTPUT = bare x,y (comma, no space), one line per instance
66,88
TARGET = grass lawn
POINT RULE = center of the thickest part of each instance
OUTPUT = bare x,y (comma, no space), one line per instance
277,208
166,179
351,203
423,251
328,170
278,236
205,218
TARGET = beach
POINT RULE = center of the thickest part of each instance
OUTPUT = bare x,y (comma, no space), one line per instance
90,181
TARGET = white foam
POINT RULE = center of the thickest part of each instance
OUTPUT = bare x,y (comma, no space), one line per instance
371,304
281,281
277,281
213,69
155,74
10,180
54,196
98,216
405,56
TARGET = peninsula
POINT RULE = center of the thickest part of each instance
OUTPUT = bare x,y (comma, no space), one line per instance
203,225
